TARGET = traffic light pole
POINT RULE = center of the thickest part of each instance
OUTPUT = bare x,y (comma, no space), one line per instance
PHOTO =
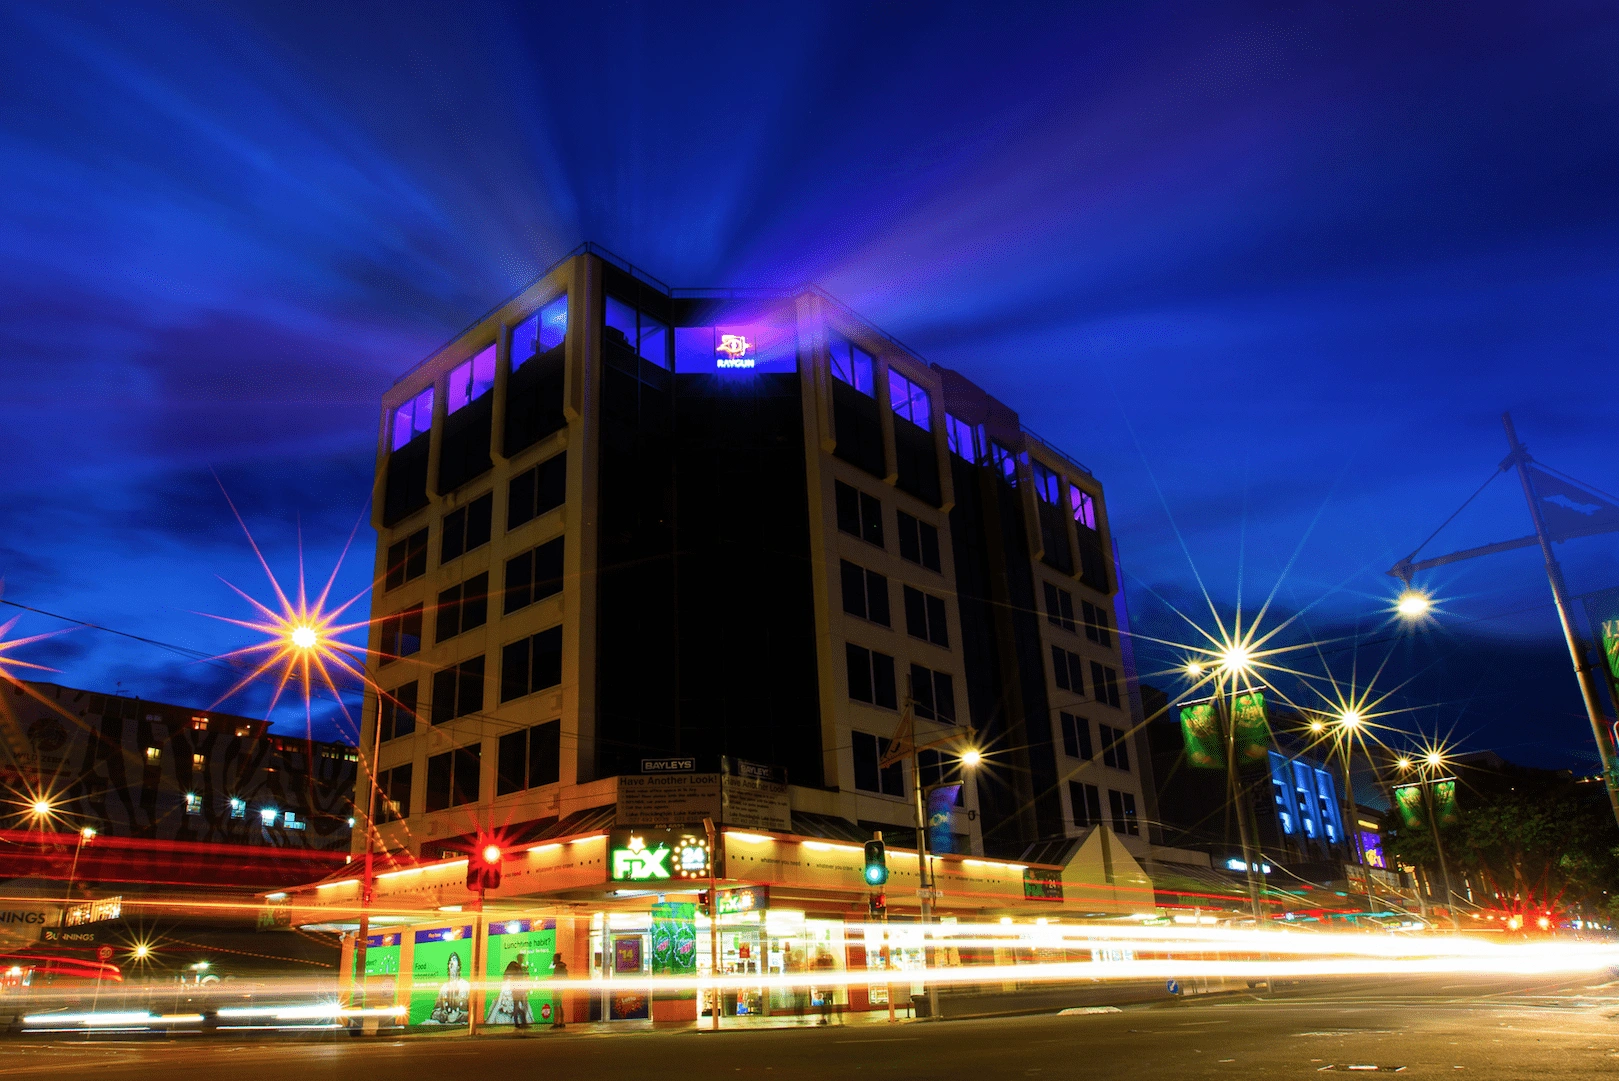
368,881
714,996
475,988
925,873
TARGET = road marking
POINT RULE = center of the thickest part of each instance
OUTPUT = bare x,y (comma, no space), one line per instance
1076,1011
884,1039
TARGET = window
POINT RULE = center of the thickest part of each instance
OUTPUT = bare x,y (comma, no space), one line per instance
238,807
1123,806
199,724
452,777
1097,628
909,400
1047,485
859,514
933,695
193,804
537,490
868,751
463,607
1083,506
154,756
1115,748
530,758
918,542
534,575
924,617
639,332
471,380
396,712
531,664
393,793
466,528
407,559
401,635
871,676
199,761
965,440
1104,683
1060,608
458,690
1076,736
540,333
1087,801
1004,462
851,365
413,418
936,768
1066,670
865,593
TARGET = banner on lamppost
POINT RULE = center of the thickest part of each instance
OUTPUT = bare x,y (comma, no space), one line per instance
941,802
1444,801
1200,730
1408,799
1250,727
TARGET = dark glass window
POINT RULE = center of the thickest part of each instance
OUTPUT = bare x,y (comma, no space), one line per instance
924,617
1076,736
407,559
638,332
1087,801
857,427
452,777
868,751
393,793
859,514
1059,607
938,768
1067,670
1115,749
865,593
401,634
918,542
534,575
463,607
1123,806
396,711
466,528
851,365
458,690
535,491
530,758
933,695
871,676
1097,627
531,664
1104,684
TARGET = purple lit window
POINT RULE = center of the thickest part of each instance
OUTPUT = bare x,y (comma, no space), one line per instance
413,418
471,380
1004,461
851,365
540,332
1084,507
642,333
909,400
964,439
1046,484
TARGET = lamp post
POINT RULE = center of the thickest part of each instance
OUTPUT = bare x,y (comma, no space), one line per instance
1235,660
1433,763
1348,723
86,835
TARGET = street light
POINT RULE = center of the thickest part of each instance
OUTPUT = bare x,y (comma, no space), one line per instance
1432,762
42,808
1413,604
304,637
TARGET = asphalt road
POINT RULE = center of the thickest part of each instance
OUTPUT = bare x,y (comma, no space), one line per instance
1453,1028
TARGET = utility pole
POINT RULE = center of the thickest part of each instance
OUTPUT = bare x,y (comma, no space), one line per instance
714,996
925,873
368,879
1519,457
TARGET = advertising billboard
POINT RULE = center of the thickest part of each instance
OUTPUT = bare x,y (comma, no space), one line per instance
519,952
657,855
674,942
440,975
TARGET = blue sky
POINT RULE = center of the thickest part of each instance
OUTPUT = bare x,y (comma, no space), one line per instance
1271,271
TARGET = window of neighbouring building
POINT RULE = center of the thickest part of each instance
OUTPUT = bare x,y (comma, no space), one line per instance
401,634
1123,806
453,778
857,425
534,575
1004,462
466,528
925,618
530,758
393,793
458,690
412,419
396,711
859,514
541,332
1067,670
1059,607
933,695
639,333
1076,736
1087,803
851,365
918,542
1097,627
965,440
1104,684
531,664
909,400
535,491
534,391
1083,507
865,593
407,559
871,676
868,777
462,607
1115,747
471,380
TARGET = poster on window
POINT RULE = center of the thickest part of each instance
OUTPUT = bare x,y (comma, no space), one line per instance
441,973
519,953
382,965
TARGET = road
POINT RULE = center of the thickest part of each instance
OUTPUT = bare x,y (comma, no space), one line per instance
1471,1029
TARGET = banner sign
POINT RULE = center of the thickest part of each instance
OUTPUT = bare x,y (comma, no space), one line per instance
668,799
1250,727
1042,884
1200,729
519,951
941,801
1602,609
1408,798
755,797
440,971
735,902
1444,801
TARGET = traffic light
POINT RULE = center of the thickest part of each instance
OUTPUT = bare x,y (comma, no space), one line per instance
702,901
876,864
877,904
483,868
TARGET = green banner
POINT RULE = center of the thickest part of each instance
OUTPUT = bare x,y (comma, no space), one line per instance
674,942
1444,801
520,951
1251,727
440,968
1408,798
1610,646
1200,729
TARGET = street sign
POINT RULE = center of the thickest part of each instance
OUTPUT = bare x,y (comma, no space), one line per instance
104,953
1174,987
929,893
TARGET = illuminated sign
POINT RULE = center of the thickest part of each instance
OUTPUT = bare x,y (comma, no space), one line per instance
110,908
734,348
656,855
746,899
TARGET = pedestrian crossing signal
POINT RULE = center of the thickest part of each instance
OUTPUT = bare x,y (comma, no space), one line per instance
876,864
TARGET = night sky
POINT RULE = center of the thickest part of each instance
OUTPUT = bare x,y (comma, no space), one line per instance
1271,272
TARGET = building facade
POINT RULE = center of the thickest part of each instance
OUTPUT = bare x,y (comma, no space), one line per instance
621,522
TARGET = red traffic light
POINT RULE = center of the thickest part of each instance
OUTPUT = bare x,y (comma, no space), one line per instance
483,868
